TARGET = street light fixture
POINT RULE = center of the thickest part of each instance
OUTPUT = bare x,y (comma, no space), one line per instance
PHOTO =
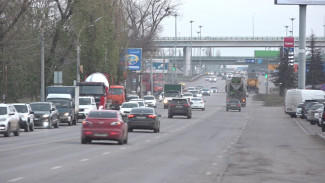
292,19
286,30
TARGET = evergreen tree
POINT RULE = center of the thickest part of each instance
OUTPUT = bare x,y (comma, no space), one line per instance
285,77
315,74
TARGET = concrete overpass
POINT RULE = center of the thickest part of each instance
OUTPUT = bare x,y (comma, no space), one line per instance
243,42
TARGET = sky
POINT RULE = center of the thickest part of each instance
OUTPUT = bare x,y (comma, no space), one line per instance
236,18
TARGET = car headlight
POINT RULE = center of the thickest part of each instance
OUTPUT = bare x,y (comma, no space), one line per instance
165,101
66,114
45,116
23,115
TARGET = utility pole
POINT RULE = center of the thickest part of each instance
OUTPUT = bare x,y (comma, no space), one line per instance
42,66
292,19
191,49
175,72
200,50
151,75
286,30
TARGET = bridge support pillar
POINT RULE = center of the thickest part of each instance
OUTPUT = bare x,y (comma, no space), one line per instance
187,61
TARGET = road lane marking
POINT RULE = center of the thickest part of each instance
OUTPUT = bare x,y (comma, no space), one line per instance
214,164
56,167
123,148
16,179
208,173
226,150
84,159
148,140
220,156
303,129
105,153
157,137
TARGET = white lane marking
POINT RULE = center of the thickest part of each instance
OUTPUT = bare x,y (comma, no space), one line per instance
226,150
220,156
123,148
208,173
214,164
157,137
148,140
84,159
105,153
303,129
56,167
16,179
136,144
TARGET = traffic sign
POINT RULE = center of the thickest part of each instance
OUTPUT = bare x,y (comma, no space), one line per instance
250,60
259,60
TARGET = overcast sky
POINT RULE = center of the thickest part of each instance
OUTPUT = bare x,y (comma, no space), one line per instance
236,17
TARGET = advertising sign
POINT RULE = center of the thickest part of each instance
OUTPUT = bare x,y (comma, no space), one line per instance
297,2
289,42
134,58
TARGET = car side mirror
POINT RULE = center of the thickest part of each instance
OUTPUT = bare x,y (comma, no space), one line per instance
11,113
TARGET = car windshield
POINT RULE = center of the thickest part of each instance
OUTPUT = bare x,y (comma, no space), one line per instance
92,90
129,105
194,92
84,101
187,94
213,87
3,110
171,94
60,103
141,104
148,98
205,89
316,106
21,108
102,114
236,101
40,107
116,91
142,111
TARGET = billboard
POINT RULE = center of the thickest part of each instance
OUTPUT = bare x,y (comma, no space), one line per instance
289,42
301,2
134,58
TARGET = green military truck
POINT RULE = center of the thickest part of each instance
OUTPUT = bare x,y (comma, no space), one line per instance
171,91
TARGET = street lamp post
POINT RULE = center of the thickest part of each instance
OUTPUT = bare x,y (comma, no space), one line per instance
200,50
324,30
191,49
175,72
292,19
286,30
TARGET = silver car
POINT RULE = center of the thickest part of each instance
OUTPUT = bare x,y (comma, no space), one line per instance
317,108
9,120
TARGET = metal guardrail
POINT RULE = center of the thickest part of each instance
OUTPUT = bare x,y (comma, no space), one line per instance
232,38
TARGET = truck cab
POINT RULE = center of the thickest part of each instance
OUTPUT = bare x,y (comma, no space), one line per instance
65,106
116,96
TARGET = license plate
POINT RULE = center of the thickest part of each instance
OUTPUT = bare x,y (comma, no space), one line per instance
2,128
141,117
233,105
100,134
36,119
179,106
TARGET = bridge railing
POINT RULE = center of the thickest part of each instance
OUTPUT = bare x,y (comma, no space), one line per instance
232,38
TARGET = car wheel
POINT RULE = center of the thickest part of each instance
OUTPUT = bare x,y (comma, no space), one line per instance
226,109
170,116
155,130
31,127
74,121
126,138
56,124
239,110
189,116
50,125
70,123
130,130
312,122
7,133
323,126
120,142
318,123
27,127
203,109
83,141
16,133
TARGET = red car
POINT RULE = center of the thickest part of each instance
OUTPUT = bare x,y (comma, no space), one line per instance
104,125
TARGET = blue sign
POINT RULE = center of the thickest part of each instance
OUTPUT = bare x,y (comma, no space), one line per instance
291,49
134,58
159,66
250,60
259,60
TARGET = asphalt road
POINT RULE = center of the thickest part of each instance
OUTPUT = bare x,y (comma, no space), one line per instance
259,144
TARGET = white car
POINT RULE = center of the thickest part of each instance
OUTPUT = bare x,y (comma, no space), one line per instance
188,96
198,103
213,79
140,102
126,108
150,101
86,104
26,115
9,120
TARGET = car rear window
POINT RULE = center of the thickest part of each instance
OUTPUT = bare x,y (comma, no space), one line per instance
129,105
141,111
196,99
233,101
179,101
21,108
102,114
149,98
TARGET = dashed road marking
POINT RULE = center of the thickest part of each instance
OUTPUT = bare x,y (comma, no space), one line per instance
105,153
84,159
208,173
220,156
123,148
16,179
56,167
214,164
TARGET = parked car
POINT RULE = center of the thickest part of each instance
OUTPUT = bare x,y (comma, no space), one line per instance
316,108
233,104
144,118
306,106
126,108
26,114
86,104
150,101
214,89
45,114
9,120
207,78
298,110
179,106
104,125
198,103
205,91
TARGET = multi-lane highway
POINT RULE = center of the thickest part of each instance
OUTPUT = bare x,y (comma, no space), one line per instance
258,144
